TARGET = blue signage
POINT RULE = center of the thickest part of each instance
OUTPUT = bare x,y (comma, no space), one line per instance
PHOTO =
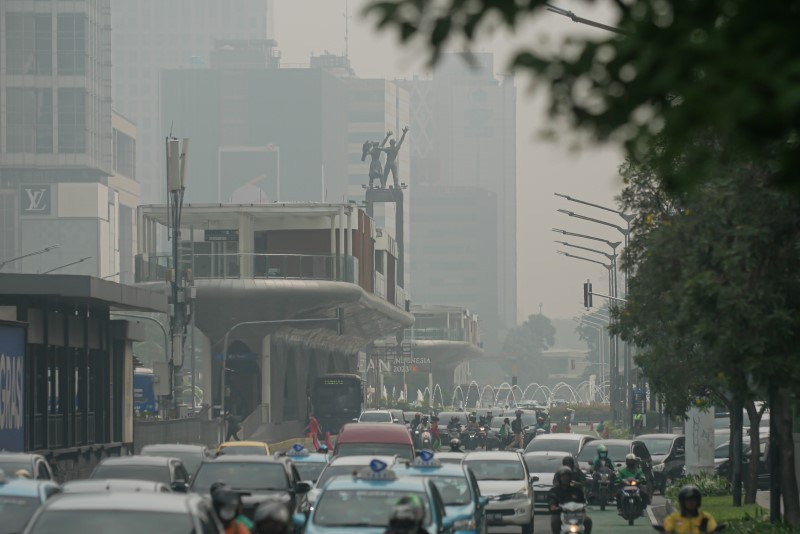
12,392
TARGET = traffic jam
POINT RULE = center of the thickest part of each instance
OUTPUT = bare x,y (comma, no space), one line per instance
385,471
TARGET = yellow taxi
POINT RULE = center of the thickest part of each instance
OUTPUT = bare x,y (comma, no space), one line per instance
231,448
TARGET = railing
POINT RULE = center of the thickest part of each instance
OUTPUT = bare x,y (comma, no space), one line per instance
435,334
246,265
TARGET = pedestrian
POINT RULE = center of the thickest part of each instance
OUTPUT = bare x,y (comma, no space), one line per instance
313,429
516,428
233,427
505,428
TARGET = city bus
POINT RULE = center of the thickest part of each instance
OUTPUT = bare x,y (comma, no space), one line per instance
337,399
144,397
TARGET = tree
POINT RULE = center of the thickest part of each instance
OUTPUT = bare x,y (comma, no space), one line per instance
715,301
527,341
723,70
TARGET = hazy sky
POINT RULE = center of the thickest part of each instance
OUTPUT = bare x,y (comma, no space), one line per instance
543,167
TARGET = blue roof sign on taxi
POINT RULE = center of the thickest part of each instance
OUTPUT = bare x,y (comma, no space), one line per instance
377,470
426,459
297,450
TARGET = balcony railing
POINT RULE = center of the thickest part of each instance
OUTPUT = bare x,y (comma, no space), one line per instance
435,334
245,265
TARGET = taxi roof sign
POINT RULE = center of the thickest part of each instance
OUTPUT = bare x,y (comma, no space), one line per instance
297,450
377,470
426,459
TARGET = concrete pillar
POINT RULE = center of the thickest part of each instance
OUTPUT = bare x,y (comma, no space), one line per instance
278,359
266,373
246,246
350,232
333,247
341,259
127,394
205,373
699,430
301,361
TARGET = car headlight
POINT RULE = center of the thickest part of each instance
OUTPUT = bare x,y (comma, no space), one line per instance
465,524
522,494
658,467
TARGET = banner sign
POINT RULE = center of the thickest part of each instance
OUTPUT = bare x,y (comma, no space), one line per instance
12,384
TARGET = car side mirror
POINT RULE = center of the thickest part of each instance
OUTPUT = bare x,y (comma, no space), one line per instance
299,520
180,486
483,500
533,478
304,486
355,419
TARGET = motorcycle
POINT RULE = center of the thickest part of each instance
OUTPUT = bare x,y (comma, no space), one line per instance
470,439
573,515
602,479
426,441
482,433
631,500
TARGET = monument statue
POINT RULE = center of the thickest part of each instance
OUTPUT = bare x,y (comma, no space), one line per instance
391,160
373,149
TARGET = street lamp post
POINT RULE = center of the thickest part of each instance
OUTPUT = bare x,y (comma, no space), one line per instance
28,255
601,344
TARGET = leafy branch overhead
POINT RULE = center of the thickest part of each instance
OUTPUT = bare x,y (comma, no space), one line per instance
723,70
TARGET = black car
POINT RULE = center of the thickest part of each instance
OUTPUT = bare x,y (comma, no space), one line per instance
668,452
35,464
168,471
255,477
722,461
125,513
191,455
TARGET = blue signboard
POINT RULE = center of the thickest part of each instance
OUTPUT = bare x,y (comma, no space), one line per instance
12,389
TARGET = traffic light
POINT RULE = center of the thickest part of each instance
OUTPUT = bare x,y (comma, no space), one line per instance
587,294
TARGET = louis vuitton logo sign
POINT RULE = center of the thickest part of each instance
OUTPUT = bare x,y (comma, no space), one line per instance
35,199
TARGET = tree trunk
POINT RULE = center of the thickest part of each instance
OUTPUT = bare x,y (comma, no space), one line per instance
789,491
751,487
735,450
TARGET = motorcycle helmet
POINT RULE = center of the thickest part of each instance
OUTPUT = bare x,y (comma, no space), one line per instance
455,445
472,417
424,418
518,413
630,461
540,419
568,461
226,503
323,449
408,513
689,492
602,451
562,472
272,517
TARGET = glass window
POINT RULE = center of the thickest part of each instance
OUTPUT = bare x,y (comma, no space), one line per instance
361,508
72,120
454,490
543,464
117,521
134,472
44,474
190,460
569,446
658,446
375,417
71,44
497,469
243,450
377,449
29,123
16,511
29,43
310,470
245,476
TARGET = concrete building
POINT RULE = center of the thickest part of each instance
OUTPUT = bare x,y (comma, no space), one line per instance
151,36
277,262
259,134
464,124
453,248
66,172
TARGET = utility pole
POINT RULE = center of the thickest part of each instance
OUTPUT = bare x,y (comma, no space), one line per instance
179,311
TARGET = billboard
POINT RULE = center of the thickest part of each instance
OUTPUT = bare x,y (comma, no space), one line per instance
12,393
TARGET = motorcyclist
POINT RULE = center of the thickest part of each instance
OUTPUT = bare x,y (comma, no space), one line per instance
416,421
472,422
540,424
489,417
436,435
578,476
227,504
407,516
272,517
632,470
600,461
563,492
454,424
455,445
424,425
689,520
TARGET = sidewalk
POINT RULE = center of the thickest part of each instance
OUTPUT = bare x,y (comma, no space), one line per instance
762,499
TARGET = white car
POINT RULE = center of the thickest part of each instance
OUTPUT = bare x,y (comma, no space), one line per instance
344,466
503,477
543,464
377,416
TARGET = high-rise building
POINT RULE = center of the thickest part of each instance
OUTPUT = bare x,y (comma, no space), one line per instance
151,36
67,175
464,125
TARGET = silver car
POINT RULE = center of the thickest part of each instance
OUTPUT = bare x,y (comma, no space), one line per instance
504,478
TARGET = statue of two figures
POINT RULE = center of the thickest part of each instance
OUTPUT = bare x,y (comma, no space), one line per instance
374,149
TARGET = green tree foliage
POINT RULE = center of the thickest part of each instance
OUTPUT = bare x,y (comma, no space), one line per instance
725,69
525,344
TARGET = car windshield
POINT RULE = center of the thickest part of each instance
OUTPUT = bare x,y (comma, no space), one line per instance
616,453
375,449
243,450
445,417
543,464
116,521
156,473
659,446
375,417
244,475
191,460
15,513
569,446
361,508
309,470
9,468
335,471
454,490
497,469
528,419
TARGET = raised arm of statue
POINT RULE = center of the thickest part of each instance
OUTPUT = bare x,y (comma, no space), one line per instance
388,135
402,137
